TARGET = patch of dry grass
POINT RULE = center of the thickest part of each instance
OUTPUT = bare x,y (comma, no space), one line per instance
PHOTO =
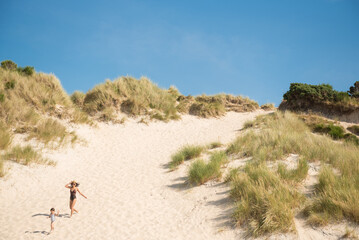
283,133
25,155
268,107
5,137
263,203
51,131
132,96
2,170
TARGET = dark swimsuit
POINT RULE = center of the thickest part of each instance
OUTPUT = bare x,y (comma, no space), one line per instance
73,195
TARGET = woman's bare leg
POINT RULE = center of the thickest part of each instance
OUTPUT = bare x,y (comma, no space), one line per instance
72,207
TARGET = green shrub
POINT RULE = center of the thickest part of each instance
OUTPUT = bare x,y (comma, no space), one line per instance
28,70
336,132
8,65
313,93
10,84
354,90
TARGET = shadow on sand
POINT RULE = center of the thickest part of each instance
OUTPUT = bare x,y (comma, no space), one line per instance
64,215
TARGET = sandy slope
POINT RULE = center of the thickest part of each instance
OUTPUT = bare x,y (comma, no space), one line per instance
131,194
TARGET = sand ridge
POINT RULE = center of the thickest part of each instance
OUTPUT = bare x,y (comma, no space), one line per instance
131,194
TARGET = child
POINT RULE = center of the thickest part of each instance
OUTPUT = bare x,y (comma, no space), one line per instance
52,216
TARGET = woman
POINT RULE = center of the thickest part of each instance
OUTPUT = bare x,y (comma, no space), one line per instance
73,189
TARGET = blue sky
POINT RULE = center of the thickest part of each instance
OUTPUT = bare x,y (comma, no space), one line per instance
252,48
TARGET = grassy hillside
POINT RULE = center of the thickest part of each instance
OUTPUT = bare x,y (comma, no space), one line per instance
268,193
32,103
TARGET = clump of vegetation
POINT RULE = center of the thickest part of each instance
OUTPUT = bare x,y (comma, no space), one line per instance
354,90
2,170
218,105
284,133
320,125
213,145
185,153
268,106
50,130
337,197
354,129
263,202
9,65
132,96
313,93
201,172
5,137
336,132
78,98
25,155
319,98
296,175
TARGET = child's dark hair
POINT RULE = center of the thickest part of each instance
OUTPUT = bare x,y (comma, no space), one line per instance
52,209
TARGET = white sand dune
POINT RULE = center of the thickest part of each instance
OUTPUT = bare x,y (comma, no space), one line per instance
131,194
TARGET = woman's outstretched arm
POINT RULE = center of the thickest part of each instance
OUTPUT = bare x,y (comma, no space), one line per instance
81,193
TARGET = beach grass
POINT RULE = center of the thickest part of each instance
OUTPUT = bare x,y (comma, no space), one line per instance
201,172
214,145
132,96
297,175
49,131
268,106
185,153
281,134
25,155
2,168
262,201
5,137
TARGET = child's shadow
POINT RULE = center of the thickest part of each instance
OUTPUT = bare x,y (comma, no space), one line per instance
62,215
42,232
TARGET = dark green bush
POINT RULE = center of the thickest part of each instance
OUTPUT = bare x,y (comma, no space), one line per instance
336,132
354,90
313,93
9,65
28,70
351,138
10,84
